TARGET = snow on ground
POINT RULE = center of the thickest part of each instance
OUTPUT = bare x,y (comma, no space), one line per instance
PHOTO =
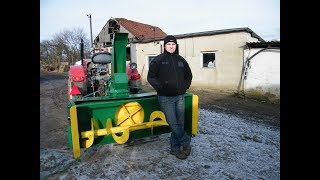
226,147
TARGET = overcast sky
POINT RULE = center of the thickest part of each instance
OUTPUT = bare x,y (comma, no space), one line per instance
172,16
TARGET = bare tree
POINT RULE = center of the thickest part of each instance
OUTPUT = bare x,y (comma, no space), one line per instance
48,55
64,47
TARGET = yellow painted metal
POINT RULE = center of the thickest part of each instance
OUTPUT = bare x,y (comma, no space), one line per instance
89,135
123,138
74,131
195,114
157,114
129,114
125,130
95,123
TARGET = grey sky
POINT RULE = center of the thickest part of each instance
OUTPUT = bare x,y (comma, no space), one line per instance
172,16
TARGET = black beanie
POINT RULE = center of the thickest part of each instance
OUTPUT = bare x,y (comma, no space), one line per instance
170,38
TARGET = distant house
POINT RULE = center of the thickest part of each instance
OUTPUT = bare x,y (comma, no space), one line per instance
217,58
136,31
225,48
261,70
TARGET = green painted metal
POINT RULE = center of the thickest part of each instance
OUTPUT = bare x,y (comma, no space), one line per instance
188,113
103,109
119,83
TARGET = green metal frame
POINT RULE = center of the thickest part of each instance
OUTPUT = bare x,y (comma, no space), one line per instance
119,83
102,109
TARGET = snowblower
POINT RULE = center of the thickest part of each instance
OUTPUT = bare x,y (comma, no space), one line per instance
107,107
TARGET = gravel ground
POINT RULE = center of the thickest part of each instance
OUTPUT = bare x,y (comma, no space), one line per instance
232,143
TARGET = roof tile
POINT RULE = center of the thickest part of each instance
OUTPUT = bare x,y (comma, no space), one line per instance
140,30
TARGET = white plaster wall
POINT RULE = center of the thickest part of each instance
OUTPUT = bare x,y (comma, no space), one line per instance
142,52
133,52
229,58
263,74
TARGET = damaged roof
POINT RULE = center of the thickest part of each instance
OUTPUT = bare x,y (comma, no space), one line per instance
140,30
264,44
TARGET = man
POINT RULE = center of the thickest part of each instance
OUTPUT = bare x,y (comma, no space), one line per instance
170,75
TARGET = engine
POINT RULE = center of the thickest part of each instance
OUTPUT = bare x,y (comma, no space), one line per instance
98,75
93,77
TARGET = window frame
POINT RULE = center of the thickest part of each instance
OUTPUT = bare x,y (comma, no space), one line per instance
147,59
208,52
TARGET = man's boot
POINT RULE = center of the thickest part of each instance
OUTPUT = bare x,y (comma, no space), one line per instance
187,150
179,155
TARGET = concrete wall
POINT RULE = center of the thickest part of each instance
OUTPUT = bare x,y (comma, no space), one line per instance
263,74
229,58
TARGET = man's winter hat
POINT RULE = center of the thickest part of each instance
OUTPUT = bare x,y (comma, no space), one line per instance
170,38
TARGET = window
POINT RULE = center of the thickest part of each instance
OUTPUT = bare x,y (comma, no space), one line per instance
149,59
208,59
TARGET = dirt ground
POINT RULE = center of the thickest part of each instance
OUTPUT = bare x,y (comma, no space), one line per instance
238,138
53,108
230,103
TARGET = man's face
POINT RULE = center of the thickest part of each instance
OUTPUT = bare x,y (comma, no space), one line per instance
170,47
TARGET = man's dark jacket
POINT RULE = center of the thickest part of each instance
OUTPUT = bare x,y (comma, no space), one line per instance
169,74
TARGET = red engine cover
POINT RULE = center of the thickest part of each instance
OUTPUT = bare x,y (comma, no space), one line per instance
132,74
77,73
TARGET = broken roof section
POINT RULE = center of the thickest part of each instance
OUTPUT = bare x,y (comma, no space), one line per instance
139,30
264,44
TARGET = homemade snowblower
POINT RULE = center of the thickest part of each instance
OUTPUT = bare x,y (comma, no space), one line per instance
107,108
